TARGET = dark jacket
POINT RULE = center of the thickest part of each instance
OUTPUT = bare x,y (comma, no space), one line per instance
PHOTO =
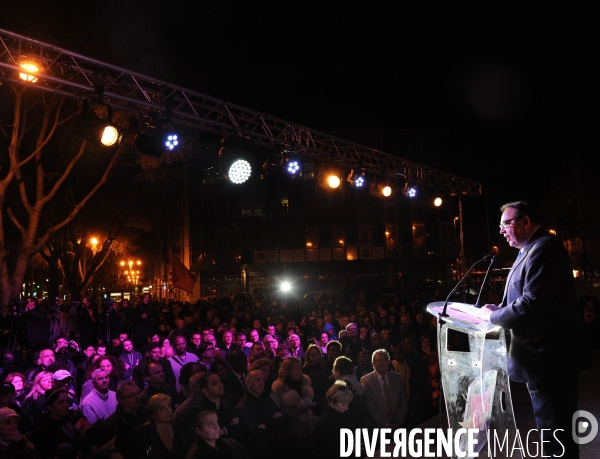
145,442
142,327
540,308
36,326
165,389
124,423
51,433
22,449
254,411
327,432
227,449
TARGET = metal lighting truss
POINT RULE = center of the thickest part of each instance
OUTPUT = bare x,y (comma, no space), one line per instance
76,76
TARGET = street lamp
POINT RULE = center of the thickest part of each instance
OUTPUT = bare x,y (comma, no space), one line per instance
94,242
130,274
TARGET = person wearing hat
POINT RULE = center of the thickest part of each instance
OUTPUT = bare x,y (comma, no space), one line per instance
12,443
62,379
7,400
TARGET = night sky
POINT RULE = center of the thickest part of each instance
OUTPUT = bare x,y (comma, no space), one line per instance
512,90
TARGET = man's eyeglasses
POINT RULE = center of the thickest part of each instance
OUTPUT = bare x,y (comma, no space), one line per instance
507,223
132,395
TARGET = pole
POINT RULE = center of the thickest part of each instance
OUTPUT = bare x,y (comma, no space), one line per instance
462,243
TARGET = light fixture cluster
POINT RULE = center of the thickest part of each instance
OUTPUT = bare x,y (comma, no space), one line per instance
88,125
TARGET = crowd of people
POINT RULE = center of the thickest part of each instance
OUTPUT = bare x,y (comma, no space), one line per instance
232,377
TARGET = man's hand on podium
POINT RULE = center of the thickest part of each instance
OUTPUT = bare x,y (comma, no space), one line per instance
486,311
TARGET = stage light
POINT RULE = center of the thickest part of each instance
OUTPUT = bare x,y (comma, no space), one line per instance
158,138
333,181
356,180
437,202
380,190
30,68
239,171
110,135
329,180
92,128
236,158
410,191
172,142
286,286
293,167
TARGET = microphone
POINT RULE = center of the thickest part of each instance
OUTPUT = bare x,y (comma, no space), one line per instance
486,258
493,259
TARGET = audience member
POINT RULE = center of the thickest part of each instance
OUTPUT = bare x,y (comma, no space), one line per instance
34,404
209,442
333,419
293,395
261,420
155,377
235,380
101,402
157,438
357,409
314,369
13,444
130,358
18,381
388,405
57,434
180,358
129,413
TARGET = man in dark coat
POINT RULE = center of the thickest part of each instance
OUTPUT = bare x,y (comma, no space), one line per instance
142,321
88,318
260,418
35,320
547,347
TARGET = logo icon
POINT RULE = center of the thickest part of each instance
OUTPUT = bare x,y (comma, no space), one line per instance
582,420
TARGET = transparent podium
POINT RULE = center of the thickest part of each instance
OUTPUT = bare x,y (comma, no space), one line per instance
475,381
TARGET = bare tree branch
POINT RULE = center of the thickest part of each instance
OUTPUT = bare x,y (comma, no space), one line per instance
16,222
79,206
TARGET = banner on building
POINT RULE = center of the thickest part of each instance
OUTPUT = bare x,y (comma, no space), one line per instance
182,277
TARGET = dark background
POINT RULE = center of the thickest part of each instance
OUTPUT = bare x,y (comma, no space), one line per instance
509,94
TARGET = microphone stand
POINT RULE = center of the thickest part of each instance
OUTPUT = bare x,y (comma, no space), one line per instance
444,313
477,305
